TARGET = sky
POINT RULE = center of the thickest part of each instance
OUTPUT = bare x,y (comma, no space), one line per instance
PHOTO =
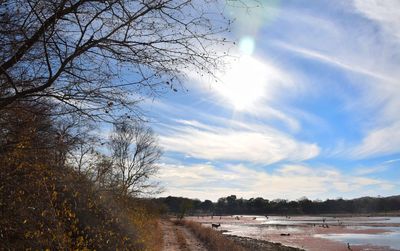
309,105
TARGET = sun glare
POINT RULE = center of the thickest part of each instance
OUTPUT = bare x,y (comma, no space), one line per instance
244,83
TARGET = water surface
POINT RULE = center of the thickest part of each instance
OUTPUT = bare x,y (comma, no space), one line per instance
391,240
380,232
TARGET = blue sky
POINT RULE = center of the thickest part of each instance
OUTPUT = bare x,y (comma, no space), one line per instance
307,106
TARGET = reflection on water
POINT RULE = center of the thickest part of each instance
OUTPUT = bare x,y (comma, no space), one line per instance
256,231
277,220
391,219
386,229
391,240
261,227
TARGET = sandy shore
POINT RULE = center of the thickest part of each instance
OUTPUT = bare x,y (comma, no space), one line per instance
260,245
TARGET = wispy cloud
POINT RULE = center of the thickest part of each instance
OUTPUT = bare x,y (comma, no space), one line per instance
370,170
205,181
262,144
386,13
270,113
326,88
368,49
335,61
379,99
391,161
379,142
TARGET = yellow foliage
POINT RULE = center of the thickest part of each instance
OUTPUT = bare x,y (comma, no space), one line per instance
50,207
148,227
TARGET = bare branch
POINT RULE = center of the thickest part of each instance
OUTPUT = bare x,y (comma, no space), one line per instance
85,48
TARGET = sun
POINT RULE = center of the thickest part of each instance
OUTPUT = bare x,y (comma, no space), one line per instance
243,84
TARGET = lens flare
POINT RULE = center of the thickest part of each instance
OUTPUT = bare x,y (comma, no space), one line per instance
246,45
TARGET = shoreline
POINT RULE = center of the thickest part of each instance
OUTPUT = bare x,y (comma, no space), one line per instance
260,245
344,215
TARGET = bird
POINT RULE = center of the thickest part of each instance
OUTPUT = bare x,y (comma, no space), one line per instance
348,246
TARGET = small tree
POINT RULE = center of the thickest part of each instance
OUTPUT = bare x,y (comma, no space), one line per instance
185,206
135,154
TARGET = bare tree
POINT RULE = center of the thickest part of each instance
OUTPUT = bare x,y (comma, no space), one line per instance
135,153
96,56
83,142
101,173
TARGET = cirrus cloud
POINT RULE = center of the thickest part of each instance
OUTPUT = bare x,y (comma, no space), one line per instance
257,143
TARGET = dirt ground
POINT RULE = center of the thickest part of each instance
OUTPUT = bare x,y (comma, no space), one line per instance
179,238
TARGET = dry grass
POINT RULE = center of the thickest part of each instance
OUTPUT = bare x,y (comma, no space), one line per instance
147,225
214,240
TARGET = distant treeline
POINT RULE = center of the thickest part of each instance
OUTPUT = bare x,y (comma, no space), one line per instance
234,205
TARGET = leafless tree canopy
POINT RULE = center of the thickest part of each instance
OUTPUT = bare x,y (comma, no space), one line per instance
135,153
97,55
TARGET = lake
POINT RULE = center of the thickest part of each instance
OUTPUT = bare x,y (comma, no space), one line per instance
314,233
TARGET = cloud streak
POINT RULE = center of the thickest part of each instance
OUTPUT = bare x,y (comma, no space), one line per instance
368,49
329,59
379,142
262,144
